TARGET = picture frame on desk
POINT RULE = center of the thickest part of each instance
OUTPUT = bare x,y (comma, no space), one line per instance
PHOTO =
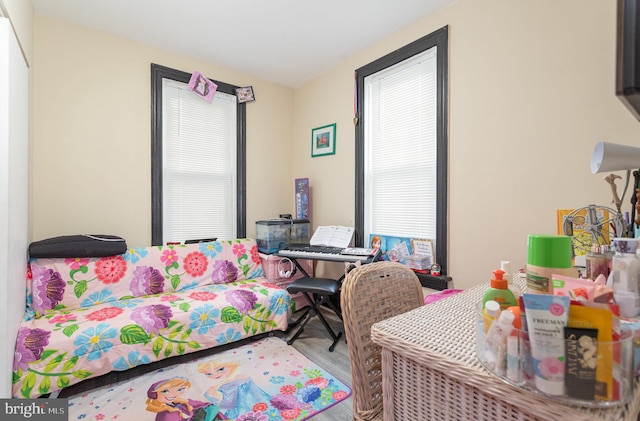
423,247
392,248
323,140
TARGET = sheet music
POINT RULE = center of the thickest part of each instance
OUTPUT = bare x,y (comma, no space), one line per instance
332,236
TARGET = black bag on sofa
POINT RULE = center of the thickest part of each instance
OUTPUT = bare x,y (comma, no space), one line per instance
84,245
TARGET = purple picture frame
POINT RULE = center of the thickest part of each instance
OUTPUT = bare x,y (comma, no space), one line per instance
201,86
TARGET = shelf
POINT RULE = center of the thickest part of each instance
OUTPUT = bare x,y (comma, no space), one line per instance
439,283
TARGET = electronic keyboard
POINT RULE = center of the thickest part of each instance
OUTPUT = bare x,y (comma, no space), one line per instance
336,254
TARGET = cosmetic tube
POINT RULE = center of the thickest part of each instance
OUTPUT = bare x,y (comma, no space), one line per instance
513,359
547,316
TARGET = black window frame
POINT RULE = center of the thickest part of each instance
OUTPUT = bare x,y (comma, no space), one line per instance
439,39
158,73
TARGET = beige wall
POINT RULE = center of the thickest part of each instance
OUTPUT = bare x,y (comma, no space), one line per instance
531,92
91,163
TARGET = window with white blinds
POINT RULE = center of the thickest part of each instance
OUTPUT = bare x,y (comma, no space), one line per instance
400,149
401,144
198,164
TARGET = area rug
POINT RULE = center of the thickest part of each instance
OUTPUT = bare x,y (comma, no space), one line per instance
265,380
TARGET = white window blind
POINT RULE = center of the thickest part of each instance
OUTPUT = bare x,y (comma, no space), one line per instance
199,164
400,149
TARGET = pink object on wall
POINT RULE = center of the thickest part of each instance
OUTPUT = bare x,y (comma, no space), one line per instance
202,86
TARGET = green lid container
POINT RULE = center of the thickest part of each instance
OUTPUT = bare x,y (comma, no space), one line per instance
550,251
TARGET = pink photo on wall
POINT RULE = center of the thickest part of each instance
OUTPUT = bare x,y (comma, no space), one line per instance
202,86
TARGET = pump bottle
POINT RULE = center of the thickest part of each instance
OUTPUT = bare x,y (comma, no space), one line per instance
499,291
505,266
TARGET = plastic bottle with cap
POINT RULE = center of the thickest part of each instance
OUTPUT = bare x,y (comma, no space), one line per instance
499,291
596,262
496,340
505,266
625,276
490,313
548,255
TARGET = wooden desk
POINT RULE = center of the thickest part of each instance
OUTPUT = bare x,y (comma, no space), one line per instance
430,372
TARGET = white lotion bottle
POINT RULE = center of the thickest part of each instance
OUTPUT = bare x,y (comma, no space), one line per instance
505,266
496,340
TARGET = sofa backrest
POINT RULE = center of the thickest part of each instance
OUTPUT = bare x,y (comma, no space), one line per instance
70,283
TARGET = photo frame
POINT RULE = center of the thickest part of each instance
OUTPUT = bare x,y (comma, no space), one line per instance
201,86
423,247
323,140
245,94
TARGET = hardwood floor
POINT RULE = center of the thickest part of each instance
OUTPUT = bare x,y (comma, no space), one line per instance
314,344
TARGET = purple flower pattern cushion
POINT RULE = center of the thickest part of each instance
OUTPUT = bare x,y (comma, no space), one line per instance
224,271
241,299
65,284
48,288
152,318
29,346
146,280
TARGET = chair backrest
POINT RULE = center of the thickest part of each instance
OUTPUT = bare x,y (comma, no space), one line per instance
371,293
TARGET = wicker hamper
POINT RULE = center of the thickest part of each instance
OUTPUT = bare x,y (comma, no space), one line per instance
431,372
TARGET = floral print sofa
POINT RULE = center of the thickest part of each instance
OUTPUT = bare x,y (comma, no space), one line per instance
88,316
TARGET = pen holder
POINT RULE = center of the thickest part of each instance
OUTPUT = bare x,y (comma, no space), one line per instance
588,373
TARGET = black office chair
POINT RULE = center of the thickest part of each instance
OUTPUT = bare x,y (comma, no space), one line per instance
317,292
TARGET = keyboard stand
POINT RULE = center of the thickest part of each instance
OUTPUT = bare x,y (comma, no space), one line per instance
319,292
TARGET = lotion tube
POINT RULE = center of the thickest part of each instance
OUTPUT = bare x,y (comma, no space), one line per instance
547,316
513,359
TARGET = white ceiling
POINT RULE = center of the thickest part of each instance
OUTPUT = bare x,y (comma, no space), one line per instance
288,42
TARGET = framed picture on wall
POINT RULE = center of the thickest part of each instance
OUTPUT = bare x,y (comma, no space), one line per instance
245,94
323,140
201,86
